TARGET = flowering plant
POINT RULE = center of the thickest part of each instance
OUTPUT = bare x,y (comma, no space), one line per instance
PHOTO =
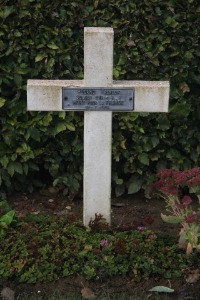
170,186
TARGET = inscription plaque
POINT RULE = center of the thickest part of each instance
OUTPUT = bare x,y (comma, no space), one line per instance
111,99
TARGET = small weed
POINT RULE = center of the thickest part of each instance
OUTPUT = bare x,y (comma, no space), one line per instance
7,217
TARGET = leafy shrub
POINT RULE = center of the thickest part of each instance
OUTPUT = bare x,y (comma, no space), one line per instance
154,40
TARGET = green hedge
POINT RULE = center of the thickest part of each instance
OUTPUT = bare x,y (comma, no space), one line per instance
154,40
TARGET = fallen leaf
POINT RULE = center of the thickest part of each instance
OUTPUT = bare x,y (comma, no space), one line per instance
189,249
7,294
161,289
151,237
131,43
87,293
193,277
35,212
68,207
182,240
50,200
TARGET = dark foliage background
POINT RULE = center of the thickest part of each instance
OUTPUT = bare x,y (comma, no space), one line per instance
154,40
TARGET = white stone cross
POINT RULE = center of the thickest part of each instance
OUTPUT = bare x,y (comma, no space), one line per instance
46,95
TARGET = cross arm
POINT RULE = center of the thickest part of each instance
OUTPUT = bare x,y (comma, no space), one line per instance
150,96
46,95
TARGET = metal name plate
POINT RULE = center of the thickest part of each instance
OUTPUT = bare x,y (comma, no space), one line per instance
111,99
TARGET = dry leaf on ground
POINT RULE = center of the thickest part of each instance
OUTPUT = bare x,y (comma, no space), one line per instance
87,293
193,277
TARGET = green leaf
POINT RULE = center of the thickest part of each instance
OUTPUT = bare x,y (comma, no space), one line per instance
8,10
70,126
119,190
116,73
134,185
59,127
11,169
18,79
62,114
119,181
18,167
144,159
8,217
52,46
4,161
161,289
75,184
171,219
163,122
34,133
155,141
2,102
171,22
40,57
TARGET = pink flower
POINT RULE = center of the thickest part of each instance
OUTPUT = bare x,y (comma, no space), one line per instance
141,228
104,243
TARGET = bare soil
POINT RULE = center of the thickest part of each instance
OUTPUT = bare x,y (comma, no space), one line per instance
132,211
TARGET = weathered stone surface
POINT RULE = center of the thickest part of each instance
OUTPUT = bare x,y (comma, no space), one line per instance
46,95
98,68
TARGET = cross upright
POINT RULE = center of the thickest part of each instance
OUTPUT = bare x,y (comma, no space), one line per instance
47,95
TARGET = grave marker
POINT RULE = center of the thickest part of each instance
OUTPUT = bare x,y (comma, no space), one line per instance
98,95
